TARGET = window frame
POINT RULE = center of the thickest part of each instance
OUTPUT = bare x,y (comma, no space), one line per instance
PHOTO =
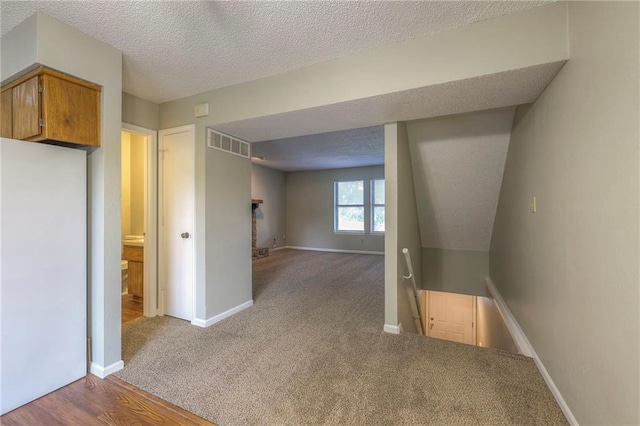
337,205
373,205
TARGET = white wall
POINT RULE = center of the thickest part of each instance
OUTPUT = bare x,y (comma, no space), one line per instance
269,185
402,228
66,49
43,272
569,273
310,214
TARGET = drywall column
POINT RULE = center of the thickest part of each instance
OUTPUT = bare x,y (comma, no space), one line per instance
49,42
569,273
401,228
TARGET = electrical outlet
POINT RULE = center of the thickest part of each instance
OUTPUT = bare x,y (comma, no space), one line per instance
284,236
534,206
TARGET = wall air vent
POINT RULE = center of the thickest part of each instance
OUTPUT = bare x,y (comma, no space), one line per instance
230,144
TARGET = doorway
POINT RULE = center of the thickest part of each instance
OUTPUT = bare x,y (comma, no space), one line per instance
177,211
449,316
139,222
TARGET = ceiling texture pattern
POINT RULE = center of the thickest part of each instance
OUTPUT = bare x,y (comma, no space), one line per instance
174,49
332,150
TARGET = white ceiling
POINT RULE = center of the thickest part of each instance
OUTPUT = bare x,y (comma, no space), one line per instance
458,163
349,148
174,49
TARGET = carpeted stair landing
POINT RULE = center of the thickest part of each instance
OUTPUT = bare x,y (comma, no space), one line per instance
311,351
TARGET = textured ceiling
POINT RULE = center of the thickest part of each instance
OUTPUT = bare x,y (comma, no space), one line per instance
458,163
174,49
349,148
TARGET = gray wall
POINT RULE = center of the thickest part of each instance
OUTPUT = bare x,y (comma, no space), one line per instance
67,49
455,271
402,229
228,231
310,210
269,185
140,112
569,273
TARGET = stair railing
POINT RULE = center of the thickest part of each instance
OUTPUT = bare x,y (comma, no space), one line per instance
413,292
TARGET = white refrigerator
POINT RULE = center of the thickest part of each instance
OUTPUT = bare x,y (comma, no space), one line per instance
43,269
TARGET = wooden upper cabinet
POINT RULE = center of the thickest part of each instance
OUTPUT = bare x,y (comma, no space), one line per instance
51,106
6,114
26,109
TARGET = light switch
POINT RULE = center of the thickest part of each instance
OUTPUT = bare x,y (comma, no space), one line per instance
534,206
202,110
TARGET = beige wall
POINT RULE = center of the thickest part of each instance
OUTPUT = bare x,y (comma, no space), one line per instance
139,112
138,160
126,184
310,214
492,331
269,185
569,273
402,229
133,183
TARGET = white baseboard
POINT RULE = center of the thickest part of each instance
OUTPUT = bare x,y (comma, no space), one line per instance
524,346
102,372
206,323
278,248
392,329
380,253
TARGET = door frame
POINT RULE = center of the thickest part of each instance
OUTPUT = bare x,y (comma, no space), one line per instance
161,226
150,261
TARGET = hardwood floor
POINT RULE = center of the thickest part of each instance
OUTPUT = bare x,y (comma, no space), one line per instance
93,401
131,308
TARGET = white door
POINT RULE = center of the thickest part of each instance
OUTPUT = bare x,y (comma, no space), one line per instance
177,201
451,317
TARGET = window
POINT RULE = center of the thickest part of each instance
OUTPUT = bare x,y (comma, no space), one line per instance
377,206
349,206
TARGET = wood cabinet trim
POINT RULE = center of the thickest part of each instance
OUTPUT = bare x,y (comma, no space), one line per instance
50,71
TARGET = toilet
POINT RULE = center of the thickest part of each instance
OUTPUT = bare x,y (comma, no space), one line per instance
124,267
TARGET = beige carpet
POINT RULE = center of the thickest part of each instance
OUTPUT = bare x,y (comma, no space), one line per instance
311,351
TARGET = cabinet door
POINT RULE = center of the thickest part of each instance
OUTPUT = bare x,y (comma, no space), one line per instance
136,279
71,112
26,109
6,115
